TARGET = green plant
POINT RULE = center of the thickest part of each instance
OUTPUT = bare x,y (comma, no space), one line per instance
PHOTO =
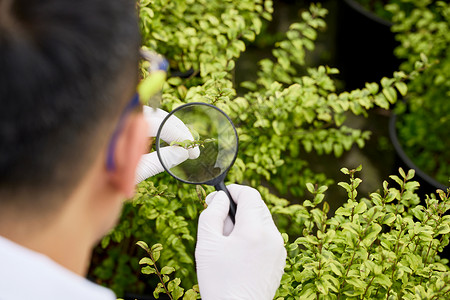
290,110
206,36
188,144
383,247
153,215
170,287
424,116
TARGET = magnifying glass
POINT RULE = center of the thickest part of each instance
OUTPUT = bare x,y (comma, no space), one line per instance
217,140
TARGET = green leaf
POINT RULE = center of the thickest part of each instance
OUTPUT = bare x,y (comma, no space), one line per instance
151,85
310,187
360,208
318,199
381,101
173,284
146,260
322,189
177,292
307,203
345,171
386,82
443,229
148,270
356,282
157,247
396,179
156,255
332,282
174,81
158,290
383,280
166,270
312,240
410,174
412,185
317,216
372,234
143,245
351,227
308,292
346,186
335,269
105,241
292,247
285,237
402,88
388,219
322,286
190,295
372,87
391,196
390,94
338,150
343,211
423,57
278,127
413,261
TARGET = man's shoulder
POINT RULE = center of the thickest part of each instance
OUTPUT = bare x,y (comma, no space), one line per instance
25,274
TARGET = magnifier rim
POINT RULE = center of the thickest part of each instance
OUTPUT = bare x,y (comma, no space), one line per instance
158,138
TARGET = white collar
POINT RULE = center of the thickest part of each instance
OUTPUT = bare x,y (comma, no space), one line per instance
26,274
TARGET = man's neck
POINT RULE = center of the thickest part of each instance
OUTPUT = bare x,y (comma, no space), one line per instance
68,235
66,244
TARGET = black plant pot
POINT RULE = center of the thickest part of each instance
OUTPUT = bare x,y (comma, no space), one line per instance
427,183
364,46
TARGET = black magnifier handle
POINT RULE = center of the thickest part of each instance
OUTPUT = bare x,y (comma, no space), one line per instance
221,187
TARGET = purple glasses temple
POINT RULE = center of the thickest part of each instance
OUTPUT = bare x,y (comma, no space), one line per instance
134,102
157,62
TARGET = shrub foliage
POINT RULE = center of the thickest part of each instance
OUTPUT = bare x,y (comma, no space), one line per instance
288,111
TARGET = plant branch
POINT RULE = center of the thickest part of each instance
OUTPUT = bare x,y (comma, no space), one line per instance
150,254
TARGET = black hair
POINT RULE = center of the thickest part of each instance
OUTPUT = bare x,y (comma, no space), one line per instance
63,64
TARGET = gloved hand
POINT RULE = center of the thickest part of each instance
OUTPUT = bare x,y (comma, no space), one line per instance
174,130
249,262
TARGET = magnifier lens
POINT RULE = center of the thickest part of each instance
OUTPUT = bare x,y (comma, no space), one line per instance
214,136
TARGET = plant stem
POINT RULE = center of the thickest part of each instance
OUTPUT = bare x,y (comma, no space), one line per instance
443,286
346,273
149,252
367,287
353,256
396,261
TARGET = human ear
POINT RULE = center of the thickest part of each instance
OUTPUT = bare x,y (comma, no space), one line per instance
131,145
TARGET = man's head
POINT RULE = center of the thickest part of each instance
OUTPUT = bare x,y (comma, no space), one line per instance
67,69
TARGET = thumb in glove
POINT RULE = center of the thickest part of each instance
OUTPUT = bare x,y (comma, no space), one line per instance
174,130
249,262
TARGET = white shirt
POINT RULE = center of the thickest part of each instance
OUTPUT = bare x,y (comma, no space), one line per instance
28,275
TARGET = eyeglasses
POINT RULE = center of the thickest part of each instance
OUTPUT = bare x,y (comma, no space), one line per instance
131,106
157,62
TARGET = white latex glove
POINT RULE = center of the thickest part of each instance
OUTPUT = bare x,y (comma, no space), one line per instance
174,130
249,262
